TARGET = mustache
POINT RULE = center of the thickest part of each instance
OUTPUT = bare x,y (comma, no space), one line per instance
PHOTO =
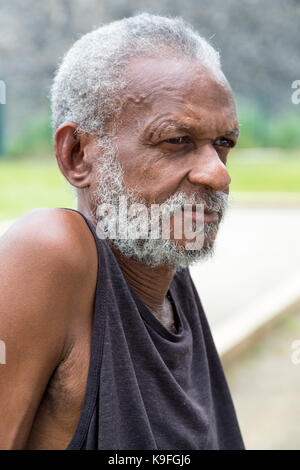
216,201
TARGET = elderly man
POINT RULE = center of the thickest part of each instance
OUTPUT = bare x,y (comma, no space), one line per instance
107,343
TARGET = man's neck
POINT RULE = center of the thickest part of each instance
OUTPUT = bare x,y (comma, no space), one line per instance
150,284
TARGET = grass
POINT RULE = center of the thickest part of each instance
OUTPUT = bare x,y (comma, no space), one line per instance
26,183
265,170
29,184
259,128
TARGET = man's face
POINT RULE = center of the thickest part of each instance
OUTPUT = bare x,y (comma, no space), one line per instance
172,142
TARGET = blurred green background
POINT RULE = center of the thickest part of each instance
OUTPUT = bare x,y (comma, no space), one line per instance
259,50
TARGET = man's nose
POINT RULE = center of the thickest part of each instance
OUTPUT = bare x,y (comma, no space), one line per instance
208,169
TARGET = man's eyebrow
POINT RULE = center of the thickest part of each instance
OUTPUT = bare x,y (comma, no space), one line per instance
157,128
233,131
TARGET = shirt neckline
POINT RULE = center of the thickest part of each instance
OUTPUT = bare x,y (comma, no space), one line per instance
155,323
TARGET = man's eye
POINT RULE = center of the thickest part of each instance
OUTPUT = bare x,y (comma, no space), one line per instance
223,142
179,140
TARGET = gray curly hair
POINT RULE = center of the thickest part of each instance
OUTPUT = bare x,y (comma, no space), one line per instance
88,85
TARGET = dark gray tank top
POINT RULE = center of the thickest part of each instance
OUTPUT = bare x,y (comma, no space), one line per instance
149,388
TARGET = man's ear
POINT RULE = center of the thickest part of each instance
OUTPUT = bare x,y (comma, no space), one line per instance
73,158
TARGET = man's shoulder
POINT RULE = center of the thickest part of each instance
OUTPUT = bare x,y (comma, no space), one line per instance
47,277
58,237
48,271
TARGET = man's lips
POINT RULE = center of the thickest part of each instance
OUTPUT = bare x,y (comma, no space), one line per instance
209,216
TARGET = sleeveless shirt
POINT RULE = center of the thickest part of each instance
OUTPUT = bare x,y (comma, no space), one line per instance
147,387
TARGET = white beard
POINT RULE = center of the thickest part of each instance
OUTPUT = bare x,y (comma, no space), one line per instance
152,252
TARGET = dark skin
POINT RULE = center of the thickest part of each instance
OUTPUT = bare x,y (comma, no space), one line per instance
175,133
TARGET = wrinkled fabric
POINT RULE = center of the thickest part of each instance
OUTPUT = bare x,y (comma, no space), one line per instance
149,388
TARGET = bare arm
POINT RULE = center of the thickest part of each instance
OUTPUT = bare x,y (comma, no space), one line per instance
41,278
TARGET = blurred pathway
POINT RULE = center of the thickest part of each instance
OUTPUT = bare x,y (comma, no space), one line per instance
265,387
257,255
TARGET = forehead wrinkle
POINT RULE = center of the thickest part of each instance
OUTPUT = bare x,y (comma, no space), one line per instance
148,93
142,103
149,88
153,93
